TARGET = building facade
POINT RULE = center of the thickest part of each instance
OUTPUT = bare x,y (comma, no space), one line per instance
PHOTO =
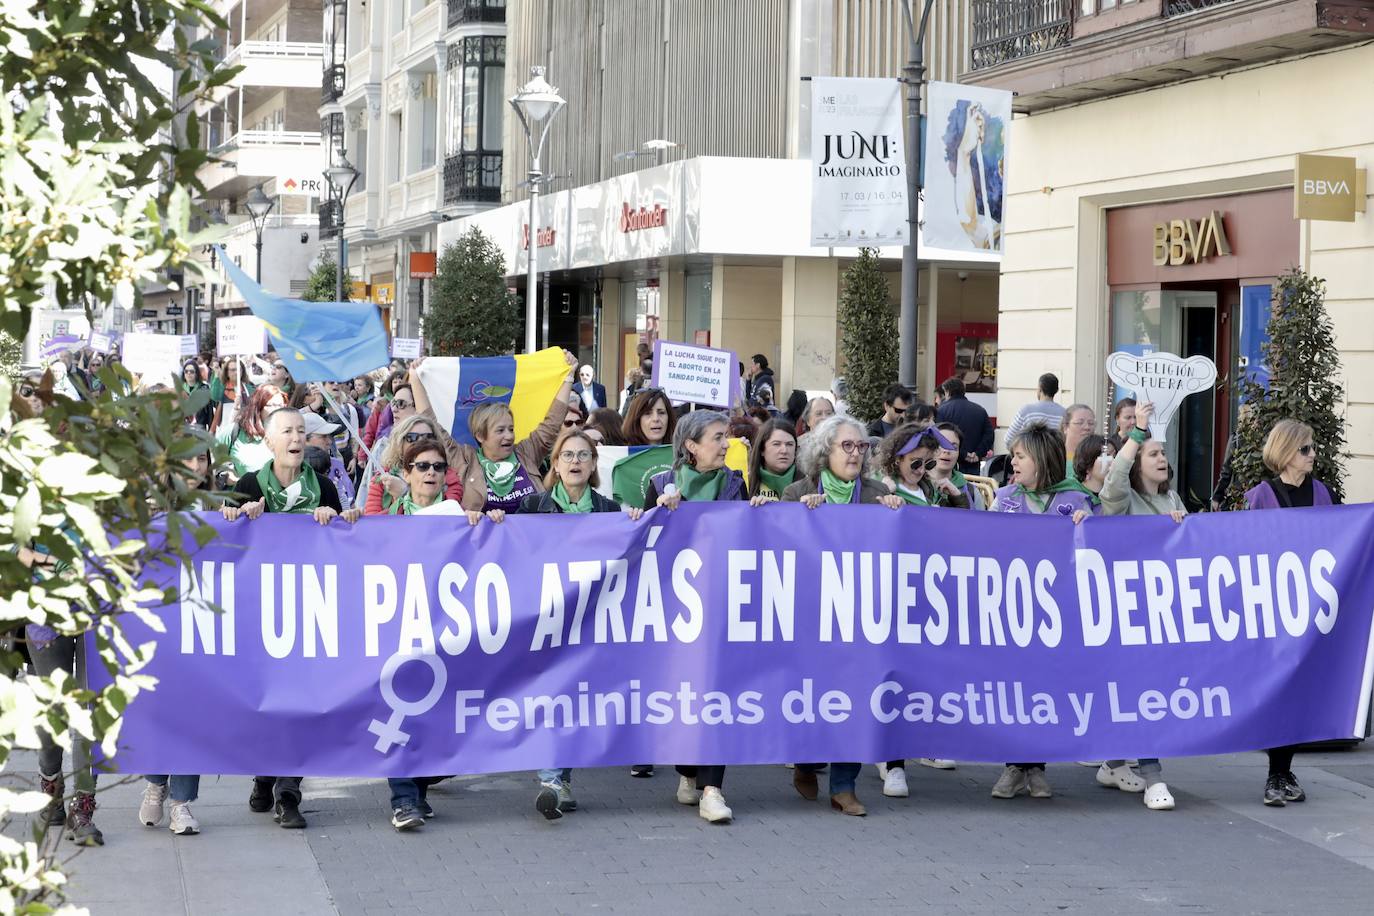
262,130
676,199
413,97
1189,113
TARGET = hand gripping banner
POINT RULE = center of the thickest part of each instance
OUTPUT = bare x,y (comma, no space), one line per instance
733,635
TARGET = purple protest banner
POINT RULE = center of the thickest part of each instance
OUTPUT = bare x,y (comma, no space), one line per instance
733,634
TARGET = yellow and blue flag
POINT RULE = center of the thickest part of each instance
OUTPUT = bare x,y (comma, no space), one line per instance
528,382
318,341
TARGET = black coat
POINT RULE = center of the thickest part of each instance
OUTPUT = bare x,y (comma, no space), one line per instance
543,502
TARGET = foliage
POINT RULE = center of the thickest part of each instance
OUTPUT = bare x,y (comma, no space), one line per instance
868,336
320,286
471,313
94,178
1304,384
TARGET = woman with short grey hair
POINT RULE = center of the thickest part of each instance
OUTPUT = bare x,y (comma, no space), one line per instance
834,466
699,474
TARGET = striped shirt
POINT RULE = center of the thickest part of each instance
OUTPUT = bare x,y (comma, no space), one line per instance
1046,412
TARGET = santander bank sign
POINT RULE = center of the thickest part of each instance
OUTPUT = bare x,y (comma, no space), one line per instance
633,220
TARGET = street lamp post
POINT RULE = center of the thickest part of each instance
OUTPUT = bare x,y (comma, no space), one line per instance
258,206
914,75
536,105
216,219
341,178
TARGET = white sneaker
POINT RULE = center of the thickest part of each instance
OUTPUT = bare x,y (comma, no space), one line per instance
894,784
1122,777
882,771
687,791
150,809
183,821
936,763
712,806
1157,798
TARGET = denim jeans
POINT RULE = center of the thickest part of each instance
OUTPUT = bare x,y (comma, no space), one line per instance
183,788
65,653
410,791
1150,769
843,776
564,776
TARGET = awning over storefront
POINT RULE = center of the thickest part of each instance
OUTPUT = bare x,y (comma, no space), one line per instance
707,205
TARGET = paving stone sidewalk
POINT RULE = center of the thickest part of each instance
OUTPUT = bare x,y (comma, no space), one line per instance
630,848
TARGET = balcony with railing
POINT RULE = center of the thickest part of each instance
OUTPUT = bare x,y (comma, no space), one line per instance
1005,30
1062,52
332,85
279,64
472,177
247,157
474,11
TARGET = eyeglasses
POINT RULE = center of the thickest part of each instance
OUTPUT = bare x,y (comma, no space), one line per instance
577,457
398,404
851,447
412,438
424,467
1308,449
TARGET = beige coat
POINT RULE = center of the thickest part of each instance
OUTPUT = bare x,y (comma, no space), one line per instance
530,452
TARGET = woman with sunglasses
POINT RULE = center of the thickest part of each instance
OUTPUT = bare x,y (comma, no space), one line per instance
947,466
1138,484
569,487
1040,486
500,472
1290,454
833,462
190,383
423,468
907,457
390,485
773,459
699,474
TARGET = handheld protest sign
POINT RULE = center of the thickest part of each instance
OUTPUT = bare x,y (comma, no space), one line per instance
240,335
695,375
407,347
1163,379
154,356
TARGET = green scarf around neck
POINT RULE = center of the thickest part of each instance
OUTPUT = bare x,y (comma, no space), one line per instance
301,496
500,475
837,491
777,482
559,495
699,486
957,478
1043,498
407,505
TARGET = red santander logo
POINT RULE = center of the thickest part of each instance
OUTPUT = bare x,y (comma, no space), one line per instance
632,220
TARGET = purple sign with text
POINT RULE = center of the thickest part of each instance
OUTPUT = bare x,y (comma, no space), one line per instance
733,634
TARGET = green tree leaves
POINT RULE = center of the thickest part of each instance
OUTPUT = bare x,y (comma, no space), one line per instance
868,329
472,313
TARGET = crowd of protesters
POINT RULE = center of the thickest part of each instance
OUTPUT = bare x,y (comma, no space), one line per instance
373,445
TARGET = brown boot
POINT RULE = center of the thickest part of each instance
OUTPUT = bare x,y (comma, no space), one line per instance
804,781
848,803
53,814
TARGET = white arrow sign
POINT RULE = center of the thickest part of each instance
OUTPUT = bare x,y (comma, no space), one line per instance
1163,379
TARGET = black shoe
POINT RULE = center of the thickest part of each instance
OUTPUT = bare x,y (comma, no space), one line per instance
1275,794
426,810
406,817
546,802
260,799
642,770
1292,792
288,814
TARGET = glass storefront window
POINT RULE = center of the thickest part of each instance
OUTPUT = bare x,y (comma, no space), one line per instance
698,305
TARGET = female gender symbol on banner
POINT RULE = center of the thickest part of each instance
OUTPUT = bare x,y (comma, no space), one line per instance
1162,379
389,733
